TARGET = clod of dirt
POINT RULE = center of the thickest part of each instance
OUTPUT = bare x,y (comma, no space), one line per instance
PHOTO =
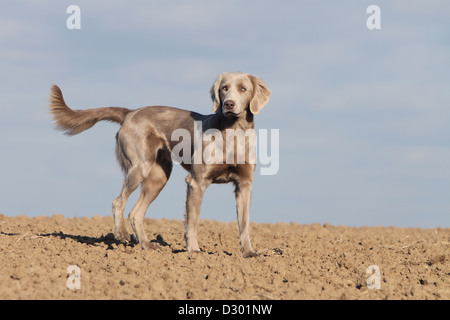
437,259
277,251
159,240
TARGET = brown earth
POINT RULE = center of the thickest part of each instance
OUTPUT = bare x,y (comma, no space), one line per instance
295,262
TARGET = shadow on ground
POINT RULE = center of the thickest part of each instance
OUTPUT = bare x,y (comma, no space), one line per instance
108,239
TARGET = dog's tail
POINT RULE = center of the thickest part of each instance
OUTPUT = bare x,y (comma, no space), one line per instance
75,121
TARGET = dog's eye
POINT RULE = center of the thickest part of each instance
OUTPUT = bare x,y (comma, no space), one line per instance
243,89
224,88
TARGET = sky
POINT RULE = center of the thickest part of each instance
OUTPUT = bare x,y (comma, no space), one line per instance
363,114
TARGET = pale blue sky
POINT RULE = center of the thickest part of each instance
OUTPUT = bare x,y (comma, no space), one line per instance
364,115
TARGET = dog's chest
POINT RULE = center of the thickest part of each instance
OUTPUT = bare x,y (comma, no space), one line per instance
230,173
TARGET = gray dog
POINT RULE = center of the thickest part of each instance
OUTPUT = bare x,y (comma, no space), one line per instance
144,146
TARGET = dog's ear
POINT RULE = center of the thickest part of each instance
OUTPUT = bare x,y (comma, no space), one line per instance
215,95
261,94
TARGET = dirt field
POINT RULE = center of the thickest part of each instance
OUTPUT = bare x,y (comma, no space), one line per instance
296,262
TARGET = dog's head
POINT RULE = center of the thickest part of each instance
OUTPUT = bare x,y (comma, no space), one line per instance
234,92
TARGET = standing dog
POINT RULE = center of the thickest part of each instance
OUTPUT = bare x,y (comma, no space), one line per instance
144,151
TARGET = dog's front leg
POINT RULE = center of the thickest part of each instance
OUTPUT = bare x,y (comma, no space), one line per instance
193,203
243,198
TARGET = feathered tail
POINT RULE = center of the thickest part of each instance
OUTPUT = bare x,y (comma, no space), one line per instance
75,121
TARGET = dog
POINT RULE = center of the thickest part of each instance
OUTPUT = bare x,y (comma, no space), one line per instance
144,145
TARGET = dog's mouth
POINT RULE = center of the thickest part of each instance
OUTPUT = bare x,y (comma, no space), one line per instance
230,114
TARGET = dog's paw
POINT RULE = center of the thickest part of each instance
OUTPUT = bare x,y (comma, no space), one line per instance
196,251
123,237
250,254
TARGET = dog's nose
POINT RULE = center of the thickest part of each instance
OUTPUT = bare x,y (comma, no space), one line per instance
229,104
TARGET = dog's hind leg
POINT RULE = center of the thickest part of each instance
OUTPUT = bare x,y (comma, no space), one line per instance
150,188
132,180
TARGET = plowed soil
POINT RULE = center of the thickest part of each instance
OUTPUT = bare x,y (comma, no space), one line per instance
296,261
